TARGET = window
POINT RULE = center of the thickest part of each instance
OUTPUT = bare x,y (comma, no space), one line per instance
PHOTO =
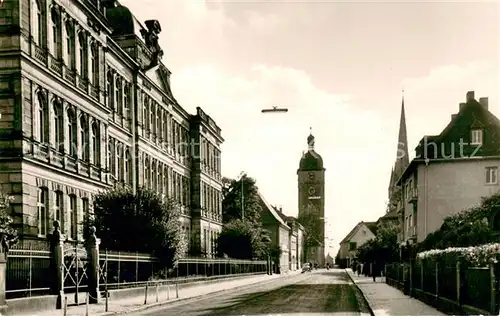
85,208
126,100
145,115
118,95
119,157
94,58
58,127
36,22
95,144
72,133
109,89
70,46
59,208
83,55
73,227
152,118
56,34
84,138
146,172
42,203
153,175
43,119
476,137
127,167
491,175
352,245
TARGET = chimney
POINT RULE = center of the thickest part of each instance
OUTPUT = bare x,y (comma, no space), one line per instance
453,116
461,106
484,102
470,96
281,209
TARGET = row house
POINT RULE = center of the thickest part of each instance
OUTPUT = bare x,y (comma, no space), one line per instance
451,171
86,104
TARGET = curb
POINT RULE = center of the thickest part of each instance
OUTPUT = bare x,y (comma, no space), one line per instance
362,294
172,301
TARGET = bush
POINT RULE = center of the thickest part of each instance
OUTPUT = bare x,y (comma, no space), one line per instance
478,256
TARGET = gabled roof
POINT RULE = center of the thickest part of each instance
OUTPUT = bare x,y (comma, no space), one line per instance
273,212
372,226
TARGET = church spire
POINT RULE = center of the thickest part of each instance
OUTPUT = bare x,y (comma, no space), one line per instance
402,157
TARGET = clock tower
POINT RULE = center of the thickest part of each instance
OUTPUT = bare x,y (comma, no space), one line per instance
311,188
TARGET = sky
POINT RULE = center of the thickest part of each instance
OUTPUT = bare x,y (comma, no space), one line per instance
340,68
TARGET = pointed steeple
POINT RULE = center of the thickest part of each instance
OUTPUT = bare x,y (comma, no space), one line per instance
402,157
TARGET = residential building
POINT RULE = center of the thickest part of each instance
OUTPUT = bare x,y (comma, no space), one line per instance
359,235
311,200
296,240
279,233
452,170
86,104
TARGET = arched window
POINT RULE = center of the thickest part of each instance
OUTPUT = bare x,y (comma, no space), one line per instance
83,51
42,126
70,45
56,34
153,175
165,180
109,89
120,162
84,138
152,120
72,133
145,114
160,179
126,99
118,95
146,172
94,63
37,22
58,126
127,167
111,156
95,144
158,122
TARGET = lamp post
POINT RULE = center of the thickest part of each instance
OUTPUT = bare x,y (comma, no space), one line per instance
242,176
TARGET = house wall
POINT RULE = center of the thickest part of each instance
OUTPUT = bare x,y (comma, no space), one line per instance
448,188
361,236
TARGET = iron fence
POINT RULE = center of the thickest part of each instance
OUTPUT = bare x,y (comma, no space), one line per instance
28,270
208,267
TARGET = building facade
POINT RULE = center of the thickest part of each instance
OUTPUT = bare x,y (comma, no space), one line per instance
86,104
451,171
311,200
359,235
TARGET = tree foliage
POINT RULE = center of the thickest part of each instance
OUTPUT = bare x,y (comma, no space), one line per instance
394,199
312,225
142,222
243,240
232,202
467,228
383,248
8,233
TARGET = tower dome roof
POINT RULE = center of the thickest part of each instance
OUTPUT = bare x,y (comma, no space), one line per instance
311,161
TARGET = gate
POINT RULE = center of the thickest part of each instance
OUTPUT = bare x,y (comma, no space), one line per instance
75,271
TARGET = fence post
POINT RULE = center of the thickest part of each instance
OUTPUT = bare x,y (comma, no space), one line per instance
492,288
92,246
411,277
458,281
146,294
3,273
437,279
57,263
157,292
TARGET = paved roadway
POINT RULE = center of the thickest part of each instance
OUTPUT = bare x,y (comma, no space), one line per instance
320,292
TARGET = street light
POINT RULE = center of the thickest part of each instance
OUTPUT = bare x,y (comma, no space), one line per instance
242,175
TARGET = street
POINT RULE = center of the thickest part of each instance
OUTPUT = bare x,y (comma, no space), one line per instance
320,292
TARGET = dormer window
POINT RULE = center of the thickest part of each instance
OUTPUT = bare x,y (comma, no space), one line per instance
476,137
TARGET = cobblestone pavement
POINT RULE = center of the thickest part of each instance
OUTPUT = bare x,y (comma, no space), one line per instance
320,292
387,300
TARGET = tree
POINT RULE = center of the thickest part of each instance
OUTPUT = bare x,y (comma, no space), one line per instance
383,248
232,202
243,240
394,199
141,222
8,234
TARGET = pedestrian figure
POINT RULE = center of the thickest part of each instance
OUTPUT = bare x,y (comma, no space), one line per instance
374,271
359,269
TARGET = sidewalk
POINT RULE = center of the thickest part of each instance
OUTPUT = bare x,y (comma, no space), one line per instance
386,300
123,306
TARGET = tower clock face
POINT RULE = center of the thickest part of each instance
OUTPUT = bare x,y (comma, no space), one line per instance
311,176
312,190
